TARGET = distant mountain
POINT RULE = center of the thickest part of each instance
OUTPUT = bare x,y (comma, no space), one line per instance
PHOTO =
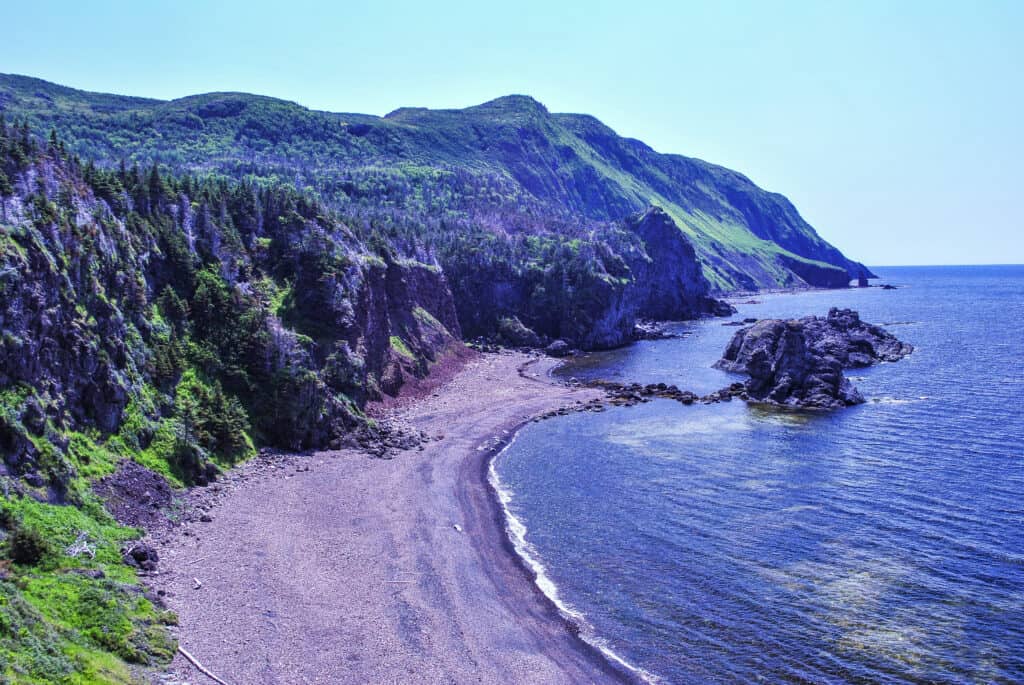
508,164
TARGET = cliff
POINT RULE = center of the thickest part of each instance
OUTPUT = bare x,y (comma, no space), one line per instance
154,330
669,279
587,288
135,306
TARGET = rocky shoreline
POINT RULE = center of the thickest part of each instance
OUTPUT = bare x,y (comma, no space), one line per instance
630,394
792,364
175,520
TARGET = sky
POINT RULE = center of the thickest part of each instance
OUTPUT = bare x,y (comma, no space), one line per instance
896,128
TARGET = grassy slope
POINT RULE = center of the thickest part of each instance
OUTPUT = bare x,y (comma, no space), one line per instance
74,620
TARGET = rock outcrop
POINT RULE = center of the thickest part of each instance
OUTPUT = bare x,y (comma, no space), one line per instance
186,319
588,292
800,362
558,348
669,281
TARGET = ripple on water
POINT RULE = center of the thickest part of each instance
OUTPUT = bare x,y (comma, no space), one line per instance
731,544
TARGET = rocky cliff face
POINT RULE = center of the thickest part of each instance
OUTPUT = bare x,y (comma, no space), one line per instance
153,330
590,291
668,278
800,362
180,320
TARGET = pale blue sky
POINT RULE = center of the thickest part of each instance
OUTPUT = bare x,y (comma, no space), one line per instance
895,127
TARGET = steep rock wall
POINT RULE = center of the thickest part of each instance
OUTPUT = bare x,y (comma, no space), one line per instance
151,319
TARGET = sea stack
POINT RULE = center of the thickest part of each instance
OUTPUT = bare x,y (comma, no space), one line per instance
800,362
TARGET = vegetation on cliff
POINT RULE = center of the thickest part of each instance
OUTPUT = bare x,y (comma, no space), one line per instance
176,321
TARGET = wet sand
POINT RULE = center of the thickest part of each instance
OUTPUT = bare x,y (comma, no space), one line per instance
367,570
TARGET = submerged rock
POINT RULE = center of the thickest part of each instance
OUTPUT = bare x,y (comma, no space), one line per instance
800,362
652,330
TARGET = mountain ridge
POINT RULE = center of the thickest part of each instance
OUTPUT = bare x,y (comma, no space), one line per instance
569,164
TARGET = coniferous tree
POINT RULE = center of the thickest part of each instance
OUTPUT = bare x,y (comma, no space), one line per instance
156,190
6,190
28,144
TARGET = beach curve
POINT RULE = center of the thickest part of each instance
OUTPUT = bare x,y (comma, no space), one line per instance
384,571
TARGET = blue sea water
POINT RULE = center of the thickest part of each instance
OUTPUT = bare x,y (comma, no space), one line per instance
723,544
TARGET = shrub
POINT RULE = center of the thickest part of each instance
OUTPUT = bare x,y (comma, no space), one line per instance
27,546
8,521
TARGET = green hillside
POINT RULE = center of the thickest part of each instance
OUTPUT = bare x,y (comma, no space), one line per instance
508,164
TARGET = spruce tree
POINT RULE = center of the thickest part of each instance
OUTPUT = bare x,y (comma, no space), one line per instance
156,189
6,190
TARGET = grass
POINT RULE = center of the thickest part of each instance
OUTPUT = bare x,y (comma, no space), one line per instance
399,346
73,620
158,455
91,458
281,299
427,320
77,620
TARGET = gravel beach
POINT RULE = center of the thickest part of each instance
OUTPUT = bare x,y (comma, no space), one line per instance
363,570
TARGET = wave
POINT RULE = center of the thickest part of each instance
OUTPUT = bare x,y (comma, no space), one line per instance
898,400
516,531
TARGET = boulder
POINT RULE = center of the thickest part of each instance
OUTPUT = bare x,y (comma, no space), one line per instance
717,307
558,348
142,556
651,330
513,332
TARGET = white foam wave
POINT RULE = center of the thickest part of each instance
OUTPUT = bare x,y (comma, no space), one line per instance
896,400
517,534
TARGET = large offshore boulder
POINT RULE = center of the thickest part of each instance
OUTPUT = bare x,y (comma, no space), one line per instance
800,362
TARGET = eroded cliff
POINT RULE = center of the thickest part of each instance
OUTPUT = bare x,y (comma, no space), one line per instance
183,318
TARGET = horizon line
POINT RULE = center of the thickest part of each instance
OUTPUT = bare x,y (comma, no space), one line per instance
894,266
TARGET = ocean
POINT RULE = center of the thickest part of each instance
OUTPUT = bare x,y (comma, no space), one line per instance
882,543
